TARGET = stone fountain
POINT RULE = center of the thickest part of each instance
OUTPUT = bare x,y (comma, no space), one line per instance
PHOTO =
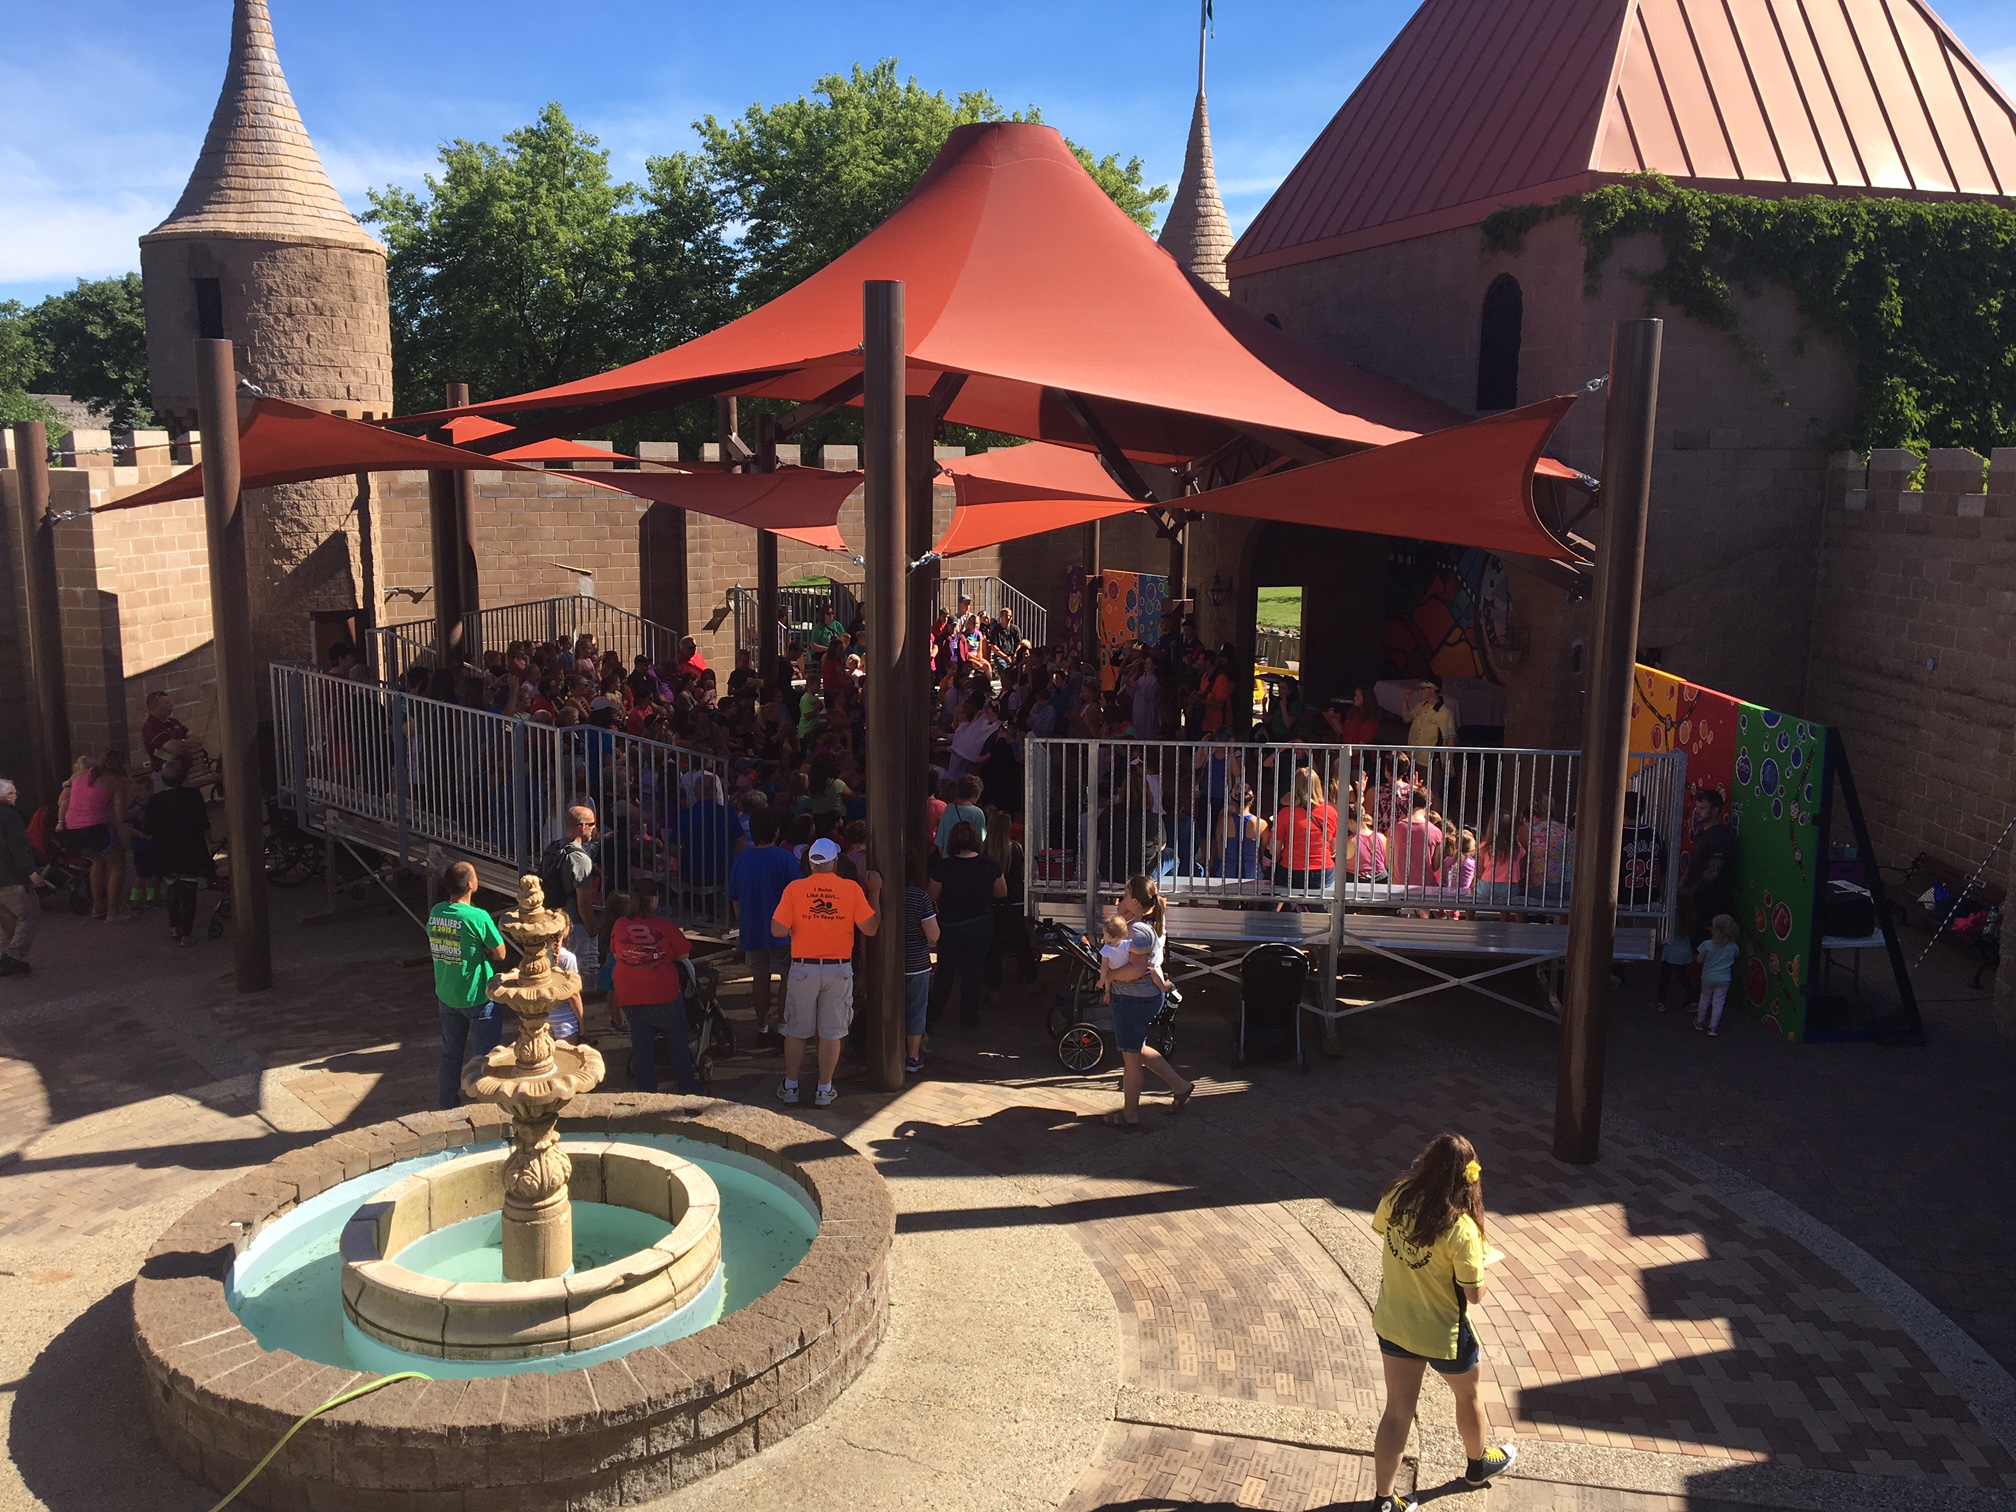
532,1080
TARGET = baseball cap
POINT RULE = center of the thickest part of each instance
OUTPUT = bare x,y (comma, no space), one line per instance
824,851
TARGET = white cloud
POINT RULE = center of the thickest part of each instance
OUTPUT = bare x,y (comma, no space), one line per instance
56,240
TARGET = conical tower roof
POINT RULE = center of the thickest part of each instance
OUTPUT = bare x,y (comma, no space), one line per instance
1196,232
258,176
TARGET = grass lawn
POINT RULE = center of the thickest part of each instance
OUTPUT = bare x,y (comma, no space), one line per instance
1281,607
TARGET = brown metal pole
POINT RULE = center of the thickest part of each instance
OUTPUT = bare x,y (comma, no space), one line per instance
462,486
237,673
920,426
1606,736
44,611
444,536
891,790
768,662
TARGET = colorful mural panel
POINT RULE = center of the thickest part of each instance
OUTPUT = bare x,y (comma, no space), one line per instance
1446,607
1769,770
1130,610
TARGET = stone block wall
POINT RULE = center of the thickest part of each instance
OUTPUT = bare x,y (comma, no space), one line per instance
1914,649
1740,465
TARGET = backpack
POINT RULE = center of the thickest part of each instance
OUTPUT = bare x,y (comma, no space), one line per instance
556,878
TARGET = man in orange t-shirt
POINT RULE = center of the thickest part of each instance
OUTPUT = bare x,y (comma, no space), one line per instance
820,913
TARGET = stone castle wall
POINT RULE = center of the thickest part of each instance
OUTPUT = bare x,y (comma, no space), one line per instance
1914,650
1739,468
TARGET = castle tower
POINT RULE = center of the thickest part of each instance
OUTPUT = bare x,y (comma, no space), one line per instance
260,250
1196,232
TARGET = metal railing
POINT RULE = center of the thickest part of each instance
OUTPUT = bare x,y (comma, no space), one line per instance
801,611
1277,646
1314,827
410,772
990,595
411,642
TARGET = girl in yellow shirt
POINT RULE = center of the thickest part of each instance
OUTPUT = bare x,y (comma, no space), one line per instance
1432,1221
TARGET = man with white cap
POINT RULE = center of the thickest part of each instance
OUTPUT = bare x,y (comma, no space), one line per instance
20,909
820,913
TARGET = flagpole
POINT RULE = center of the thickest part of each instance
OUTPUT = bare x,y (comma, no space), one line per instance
1203,29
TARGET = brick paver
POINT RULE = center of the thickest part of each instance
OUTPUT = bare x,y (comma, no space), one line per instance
1148,1469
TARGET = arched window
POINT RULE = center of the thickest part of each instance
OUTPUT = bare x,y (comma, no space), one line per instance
1498,350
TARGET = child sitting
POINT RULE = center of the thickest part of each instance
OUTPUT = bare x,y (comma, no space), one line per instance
1718,966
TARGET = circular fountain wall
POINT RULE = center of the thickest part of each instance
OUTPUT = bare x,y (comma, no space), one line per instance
337,1263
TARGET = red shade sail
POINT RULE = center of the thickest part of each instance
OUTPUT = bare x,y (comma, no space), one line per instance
1469,486
1020,273
280,442
466,428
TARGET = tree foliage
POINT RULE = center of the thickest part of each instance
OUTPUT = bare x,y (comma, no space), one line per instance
89,342
1920,294
525,265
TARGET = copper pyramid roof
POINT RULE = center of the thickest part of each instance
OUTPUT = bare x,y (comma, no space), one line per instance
258,175
1484,103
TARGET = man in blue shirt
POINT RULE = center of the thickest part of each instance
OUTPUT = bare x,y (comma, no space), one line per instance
756,883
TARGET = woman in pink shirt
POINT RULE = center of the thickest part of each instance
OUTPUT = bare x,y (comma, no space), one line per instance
91,813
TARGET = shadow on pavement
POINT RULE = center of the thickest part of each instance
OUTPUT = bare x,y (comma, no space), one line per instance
79,1434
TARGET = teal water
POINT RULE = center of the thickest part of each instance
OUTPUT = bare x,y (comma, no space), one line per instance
473,1250
286,1288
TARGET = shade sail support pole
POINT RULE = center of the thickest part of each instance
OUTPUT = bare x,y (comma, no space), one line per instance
1606,737
891,791
43,606
237,674
446,521
470,580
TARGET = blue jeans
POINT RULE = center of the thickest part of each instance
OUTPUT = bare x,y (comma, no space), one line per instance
1132,1014
647,1021
465,1033
916,999
962,961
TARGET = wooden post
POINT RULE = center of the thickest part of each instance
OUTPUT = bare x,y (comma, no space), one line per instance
237,673
768,662
921,426
463,486
1606,736
891,791
445,520
661,568
43,611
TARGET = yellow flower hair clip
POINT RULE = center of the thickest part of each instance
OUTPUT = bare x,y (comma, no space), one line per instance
1471,1172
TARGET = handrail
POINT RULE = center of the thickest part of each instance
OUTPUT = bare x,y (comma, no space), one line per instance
990,595
411,642
1264,826
494,788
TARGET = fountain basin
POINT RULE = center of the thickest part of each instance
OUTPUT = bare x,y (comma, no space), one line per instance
612,1433
427,1314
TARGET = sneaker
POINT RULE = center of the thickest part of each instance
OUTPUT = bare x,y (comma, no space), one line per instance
914,1065
1398,1503
825,1097
787,1094
1478,1471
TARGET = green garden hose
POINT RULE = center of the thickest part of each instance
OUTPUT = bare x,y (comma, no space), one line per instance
336,1401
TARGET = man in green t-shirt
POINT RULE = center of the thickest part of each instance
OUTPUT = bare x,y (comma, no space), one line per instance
466,945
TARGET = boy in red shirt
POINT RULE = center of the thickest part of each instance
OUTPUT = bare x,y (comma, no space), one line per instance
648,987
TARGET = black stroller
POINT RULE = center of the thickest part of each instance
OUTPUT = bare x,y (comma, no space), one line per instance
1080,1021
1272,981
709,1035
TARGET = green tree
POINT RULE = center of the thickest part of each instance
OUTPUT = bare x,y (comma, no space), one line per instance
93,344
810,177
21,358
514,269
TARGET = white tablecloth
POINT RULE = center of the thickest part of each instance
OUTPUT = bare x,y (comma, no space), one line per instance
1475,701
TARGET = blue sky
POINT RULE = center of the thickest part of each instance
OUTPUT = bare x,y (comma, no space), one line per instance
106,115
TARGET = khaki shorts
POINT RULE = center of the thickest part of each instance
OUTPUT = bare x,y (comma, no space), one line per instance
818,1000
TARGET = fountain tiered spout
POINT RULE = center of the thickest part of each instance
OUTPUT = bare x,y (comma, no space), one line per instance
532,1079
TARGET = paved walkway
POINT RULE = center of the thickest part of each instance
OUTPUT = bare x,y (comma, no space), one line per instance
1089,1318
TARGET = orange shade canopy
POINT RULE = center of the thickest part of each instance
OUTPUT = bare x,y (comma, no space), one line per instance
466,428
280,443
1023,276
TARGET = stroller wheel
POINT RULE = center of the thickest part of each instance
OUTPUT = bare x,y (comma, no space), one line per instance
1080,1048
1165,1041
80,897
216,928
724,1034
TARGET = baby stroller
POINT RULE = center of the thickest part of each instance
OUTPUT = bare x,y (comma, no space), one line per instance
1080,1019
1272,980
66,872
709,1036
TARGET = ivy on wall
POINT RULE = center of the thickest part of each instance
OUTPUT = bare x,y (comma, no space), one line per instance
1921,294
